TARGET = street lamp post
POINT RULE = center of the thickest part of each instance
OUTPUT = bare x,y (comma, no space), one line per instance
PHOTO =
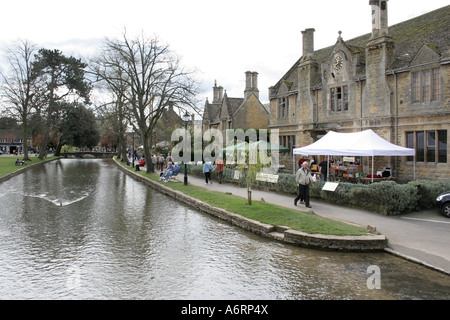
132,152
186,118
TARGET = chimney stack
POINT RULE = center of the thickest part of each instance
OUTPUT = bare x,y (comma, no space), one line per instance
220,93
251,84
255,84
308,44
379,18
217,93
248,80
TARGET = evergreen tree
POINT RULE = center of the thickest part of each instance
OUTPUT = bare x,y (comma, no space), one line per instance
64,80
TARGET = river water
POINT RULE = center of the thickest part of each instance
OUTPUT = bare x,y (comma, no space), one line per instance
83,229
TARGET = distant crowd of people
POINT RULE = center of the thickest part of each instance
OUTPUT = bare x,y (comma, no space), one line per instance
167,167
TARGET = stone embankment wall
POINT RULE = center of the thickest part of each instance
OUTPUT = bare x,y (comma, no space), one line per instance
283,234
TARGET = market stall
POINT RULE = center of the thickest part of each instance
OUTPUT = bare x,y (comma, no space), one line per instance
362,143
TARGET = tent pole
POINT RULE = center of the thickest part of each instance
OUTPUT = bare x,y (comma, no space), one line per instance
328,168
372,169
293,162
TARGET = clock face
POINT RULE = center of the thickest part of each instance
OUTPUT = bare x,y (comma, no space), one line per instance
338,62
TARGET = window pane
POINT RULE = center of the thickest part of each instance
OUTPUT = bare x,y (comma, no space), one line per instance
346,98
339,98
410,143
426,85
332,92
415,94
279,108
431,146
442,146
436,84
285,113
287,107
420,146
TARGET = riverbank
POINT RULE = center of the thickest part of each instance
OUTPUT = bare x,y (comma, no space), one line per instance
8,168
420,237
266,219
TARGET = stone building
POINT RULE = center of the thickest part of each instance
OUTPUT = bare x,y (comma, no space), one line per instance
11,141
394,80
236,113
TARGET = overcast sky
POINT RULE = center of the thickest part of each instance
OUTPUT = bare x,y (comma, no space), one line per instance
222,39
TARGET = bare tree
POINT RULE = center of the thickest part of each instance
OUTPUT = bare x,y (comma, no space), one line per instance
154,78
20,87
110,78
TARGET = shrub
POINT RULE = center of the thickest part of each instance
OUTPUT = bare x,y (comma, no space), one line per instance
387,197
429,190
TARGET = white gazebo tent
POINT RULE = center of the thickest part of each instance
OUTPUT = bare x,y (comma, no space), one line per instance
362,143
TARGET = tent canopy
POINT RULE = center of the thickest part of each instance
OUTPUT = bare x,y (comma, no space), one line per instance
260,145
363,143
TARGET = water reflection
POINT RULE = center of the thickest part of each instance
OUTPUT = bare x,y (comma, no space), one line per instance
82,229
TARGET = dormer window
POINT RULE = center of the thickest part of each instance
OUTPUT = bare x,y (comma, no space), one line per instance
283,108
426,85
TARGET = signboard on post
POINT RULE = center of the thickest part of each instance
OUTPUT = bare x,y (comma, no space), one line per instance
267,177
330,186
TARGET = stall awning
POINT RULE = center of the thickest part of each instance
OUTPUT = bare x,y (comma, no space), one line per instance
363,143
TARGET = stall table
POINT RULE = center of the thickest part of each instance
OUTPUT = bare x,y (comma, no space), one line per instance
345,172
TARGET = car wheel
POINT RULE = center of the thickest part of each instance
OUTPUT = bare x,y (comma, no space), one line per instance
446,210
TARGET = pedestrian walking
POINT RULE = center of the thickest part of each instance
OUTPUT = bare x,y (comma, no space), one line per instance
303,179
207,169
323,170
219,168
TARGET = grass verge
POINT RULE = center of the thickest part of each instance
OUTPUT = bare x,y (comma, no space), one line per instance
7,163
263,211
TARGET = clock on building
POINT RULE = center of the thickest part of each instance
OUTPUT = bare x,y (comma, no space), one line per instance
338,62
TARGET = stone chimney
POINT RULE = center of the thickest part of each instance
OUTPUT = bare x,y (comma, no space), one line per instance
251,84
220,93
255,84
217,93
379,18
308,44
248,81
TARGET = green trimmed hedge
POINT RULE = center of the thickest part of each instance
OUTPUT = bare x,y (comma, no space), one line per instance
387,197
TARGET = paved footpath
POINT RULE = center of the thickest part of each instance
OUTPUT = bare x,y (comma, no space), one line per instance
422,236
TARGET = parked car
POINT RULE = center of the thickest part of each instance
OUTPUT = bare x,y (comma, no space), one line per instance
443,203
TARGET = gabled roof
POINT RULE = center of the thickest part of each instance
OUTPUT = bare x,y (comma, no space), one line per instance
232,104
431,28
212,111
409,36
263,107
